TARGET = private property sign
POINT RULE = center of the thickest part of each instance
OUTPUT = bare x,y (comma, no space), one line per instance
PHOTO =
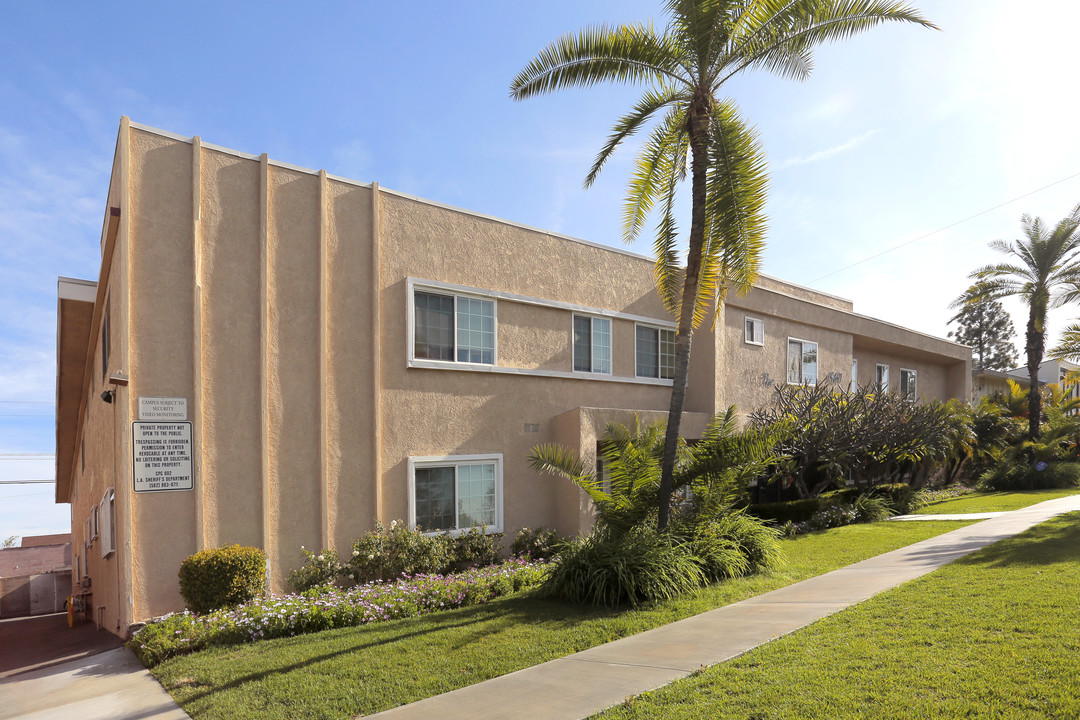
162,456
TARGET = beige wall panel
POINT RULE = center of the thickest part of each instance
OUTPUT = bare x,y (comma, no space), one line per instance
231,472
160,339
931,379
535,337
751,371
295,403
350,404
434,243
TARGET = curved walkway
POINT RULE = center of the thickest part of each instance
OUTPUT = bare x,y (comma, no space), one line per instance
579,685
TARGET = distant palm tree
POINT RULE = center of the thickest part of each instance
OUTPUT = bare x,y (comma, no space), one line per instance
705,44
1046,274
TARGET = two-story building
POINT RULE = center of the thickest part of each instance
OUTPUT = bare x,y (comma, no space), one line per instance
275,357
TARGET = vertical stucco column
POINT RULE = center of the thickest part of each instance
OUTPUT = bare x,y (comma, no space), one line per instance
264,340
324,476
196,339
122,483
376,353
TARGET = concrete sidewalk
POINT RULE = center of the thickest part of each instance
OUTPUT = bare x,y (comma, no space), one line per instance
578,685
112,685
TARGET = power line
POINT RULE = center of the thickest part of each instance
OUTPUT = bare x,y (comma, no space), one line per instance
26,454
21,415
28,402
943,229
26,482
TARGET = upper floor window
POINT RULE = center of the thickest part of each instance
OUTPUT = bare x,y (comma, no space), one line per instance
882,378
655,352
592,344
754,331
456,328
802,362
456,493
908,384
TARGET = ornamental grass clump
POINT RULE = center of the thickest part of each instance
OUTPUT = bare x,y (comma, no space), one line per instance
327,607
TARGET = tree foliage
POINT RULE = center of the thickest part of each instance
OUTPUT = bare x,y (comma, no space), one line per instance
1044,274
697,133
988,329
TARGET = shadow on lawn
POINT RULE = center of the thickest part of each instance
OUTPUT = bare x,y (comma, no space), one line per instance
1048,543
524,610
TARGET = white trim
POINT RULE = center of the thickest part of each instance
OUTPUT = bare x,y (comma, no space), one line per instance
108,524
854,385
592,347
440,289
542,302
877,376
659,363
915,377
455,461
759,324
817,363
424,364
74,289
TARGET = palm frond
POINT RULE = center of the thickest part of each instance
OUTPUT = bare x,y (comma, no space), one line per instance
620,54
650,103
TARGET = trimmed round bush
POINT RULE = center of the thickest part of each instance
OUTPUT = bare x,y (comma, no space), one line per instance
221,578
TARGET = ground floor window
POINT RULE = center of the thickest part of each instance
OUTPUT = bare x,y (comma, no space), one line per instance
456,492
882,377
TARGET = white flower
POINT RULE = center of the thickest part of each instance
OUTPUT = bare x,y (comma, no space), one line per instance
302,547
370,557
355,553
393,524
320,558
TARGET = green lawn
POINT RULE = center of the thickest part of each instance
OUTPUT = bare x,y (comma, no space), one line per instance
994,501
342,673
992,635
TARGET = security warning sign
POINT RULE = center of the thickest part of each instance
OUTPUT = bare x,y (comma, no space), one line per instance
162,456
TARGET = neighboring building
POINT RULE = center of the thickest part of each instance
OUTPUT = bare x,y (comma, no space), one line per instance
987,383
35,578
340,352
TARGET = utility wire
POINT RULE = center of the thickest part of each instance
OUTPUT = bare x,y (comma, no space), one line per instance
947,227
28,402
25,482
26,454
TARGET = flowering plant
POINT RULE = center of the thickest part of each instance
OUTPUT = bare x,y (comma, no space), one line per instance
326,607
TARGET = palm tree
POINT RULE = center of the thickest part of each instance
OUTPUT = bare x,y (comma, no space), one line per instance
705,44
1045,274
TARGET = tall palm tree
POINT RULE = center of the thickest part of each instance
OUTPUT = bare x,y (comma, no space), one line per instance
705,44
1045,274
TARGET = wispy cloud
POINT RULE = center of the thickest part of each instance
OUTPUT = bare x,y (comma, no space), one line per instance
830,152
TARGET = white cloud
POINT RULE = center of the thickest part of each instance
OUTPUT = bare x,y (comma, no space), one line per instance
830,152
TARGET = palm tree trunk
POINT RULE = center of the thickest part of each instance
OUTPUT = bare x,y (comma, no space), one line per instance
699,138
1035,347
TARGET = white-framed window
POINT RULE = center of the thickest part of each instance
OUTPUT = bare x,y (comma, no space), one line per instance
108,523
882,377
654,352
93,522
453,327
455,493
592,344
909,384
802,361
753,331
854,387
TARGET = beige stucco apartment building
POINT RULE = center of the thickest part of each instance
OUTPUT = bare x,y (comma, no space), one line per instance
275,357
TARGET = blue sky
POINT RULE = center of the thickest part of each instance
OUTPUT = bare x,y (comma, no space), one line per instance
899,133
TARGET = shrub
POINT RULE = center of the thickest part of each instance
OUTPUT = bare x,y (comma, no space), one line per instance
1008,476
325,607
387,553
614,568
317,570
832,516
872,509
538,544
475,548
794,511
213,579
901,496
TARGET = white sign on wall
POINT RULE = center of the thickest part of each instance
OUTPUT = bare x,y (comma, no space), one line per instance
153,409
161,456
